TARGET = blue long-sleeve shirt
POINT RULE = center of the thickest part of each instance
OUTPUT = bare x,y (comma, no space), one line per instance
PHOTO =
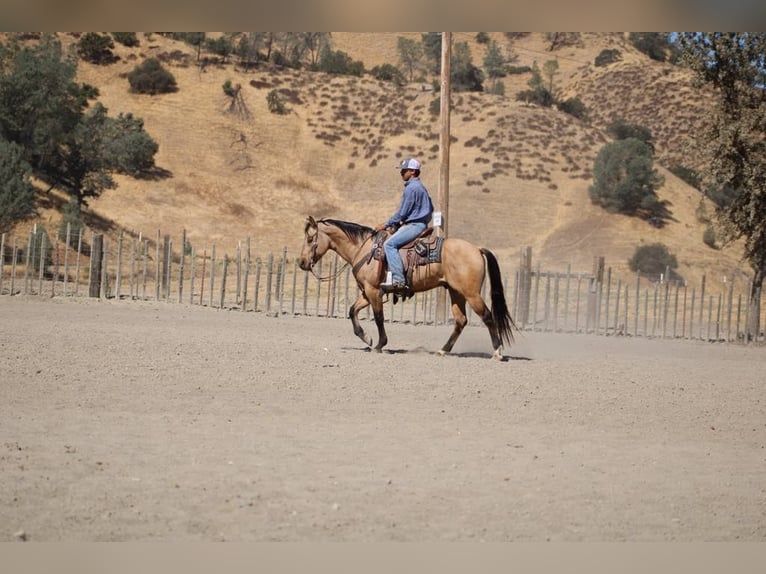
416,205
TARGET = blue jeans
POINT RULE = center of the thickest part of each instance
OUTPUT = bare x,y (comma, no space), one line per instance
406,233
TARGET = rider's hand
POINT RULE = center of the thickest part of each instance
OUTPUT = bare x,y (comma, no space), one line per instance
380,227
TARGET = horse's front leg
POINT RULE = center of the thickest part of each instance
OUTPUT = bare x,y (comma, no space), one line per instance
377,312
353,314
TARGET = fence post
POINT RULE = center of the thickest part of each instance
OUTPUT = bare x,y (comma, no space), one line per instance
192,271
181,267
96,254
2,260
246,279
223,281
525,285
212,275
66,255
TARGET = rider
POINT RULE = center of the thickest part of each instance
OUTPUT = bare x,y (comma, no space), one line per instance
410,220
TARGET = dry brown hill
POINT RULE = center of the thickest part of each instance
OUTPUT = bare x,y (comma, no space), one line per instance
519,174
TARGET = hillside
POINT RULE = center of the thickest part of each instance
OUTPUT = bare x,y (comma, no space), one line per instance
519,174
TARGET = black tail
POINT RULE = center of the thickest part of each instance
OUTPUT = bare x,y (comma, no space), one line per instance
500,314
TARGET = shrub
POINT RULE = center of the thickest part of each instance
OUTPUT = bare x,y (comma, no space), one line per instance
607,57
574,107
653,44
228,88
96,48
150,77
619,129
128,39
388,73
275,103
515,70
653,259
338,62
709,237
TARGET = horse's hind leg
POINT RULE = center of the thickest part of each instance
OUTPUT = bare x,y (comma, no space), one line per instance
458,312
481,309
353,314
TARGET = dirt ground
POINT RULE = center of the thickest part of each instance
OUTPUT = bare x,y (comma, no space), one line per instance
128,421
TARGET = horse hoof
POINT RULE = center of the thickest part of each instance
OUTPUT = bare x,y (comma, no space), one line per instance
498,355
441,352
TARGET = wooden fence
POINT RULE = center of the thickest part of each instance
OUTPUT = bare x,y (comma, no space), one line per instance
143,268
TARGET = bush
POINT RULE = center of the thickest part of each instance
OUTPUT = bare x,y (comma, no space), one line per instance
388,73
435,106
228,88
653,44
540,96
607,57
515,70
654,259
338,62
619,129
625,181
128,39
574,107
150,77
275,103
96,48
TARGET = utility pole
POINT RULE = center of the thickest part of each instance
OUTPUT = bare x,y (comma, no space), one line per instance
444,143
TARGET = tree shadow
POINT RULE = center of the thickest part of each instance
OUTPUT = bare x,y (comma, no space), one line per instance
155,173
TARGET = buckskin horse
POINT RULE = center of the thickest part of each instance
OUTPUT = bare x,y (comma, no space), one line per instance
461,270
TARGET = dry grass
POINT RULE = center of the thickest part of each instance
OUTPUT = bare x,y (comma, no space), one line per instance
519,174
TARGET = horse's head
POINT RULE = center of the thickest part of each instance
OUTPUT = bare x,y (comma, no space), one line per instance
315,245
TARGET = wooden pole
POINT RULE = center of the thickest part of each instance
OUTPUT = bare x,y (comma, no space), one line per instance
444,148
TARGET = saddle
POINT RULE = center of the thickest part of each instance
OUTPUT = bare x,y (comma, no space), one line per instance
425,249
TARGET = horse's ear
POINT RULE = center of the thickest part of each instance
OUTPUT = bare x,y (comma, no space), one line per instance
311,221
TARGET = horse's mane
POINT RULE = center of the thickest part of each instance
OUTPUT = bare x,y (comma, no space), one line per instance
354,231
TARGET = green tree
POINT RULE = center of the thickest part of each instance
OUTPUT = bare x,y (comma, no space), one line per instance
550,69
432,51
410,55
17,195
731,140
40,103
625,181
43,111
538,93
494,63
464,76
221,46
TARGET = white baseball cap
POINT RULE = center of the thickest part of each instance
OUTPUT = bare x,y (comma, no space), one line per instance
409,163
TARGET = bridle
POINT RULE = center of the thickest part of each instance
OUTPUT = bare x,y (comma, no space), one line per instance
313,260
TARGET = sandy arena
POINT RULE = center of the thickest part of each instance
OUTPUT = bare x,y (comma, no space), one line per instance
128,421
